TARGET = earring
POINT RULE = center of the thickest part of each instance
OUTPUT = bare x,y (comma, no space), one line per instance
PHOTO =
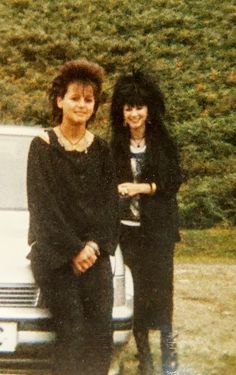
149,121
125,124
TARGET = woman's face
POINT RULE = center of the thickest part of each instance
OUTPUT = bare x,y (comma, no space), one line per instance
135,116
77,104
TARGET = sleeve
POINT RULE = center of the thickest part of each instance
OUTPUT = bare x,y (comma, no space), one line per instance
106,234
170,183
166,174
48,228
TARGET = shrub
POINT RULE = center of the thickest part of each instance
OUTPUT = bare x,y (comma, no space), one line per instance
189,45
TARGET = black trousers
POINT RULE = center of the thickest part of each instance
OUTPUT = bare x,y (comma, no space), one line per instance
81,307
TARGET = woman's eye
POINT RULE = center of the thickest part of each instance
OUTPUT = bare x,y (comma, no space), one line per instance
137,107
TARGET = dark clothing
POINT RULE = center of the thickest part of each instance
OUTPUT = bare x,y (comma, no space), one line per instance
159,212
72,199
82,310
152,275
129,206
148,249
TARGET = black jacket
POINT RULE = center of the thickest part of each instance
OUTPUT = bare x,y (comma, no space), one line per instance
159,212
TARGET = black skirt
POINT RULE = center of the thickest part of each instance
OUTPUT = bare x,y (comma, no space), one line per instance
151,264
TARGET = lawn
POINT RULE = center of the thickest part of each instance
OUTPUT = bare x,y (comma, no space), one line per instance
204,321
205,305
217,244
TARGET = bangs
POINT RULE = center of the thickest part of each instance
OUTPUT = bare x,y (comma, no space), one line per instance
135,96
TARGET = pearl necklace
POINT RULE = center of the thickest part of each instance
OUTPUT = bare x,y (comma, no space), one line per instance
80,144
139,142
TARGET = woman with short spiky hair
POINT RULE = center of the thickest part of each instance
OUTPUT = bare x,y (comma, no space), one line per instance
149,177
73,205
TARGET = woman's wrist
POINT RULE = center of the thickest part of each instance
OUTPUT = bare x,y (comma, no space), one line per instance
153,188
93,245
148,188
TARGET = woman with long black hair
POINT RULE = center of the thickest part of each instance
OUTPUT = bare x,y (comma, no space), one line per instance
149,177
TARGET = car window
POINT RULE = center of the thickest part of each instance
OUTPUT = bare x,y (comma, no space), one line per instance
13,160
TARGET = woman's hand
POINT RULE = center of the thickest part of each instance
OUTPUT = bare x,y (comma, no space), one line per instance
84,260
131,189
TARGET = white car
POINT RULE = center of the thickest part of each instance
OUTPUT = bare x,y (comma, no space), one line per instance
25,333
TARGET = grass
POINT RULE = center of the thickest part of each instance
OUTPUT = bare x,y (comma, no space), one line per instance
217,244
204,321
204,303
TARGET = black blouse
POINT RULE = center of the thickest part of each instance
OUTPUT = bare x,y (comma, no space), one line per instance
72,198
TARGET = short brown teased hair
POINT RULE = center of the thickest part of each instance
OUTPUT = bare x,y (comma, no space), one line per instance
86,72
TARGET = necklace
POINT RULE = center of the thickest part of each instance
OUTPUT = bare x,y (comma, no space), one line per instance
138,142
80,144
68,139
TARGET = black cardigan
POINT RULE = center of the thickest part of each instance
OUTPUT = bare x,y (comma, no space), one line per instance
72,198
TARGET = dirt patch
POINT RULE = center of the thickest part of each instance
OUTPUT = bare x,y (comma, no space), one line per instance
204,321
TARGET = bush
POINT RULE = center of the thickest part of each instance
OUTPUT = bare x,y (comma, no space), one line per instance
188,44
207,201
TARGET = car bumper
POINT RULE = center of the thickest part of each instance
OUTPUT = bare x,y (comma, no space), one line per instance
26,336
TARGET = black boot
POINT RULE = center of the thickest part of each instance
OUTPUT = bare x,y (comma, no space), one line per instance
168,353
144,355
145,366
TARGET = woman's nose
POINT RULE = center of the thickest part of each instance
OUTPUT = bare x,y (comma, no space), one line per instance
134,111
81,102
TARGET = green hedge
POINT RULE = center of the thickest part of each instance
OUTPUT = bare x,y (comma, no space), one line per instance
188,43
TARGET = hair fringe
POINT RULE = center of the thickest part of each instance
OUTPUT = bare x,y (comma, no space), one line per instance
80,70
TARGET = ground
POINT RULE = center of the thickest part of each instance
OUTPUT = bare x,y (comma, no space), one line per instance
204,321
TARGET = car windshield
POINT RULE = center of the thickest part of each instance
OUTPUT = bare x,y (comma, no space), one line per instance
13,159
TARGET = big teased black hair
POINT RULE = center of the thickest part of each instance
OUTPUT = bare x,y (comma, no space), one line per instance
140,88
137,88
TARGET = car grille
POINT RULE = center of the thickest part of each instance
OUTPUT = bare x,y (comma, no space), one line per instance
19,295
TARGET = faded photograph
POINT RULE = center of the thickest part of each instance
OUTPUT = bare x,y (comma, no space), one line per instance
118,187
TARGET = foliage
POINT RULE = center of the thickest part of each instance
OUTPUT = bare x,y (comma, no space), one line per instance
207,149
213,245
188,44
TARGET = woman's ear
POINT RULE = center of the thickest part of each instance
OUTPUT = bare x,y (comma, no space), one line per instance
59,102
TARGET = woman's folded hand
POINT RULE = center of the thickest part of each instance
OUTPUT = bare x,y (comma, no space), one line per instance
84,260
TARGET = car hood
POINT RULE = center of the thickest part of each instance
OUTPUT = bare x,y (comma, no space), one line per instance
14,266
